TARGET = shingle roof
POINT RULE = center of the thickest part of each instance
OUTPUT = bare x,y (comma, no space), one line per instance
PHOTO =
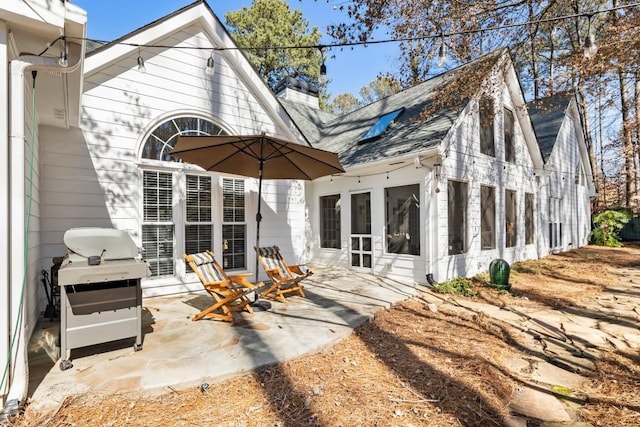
546,116
409,134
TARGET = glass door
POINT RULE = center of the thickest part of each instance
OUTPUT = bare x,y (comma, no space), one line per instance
361,245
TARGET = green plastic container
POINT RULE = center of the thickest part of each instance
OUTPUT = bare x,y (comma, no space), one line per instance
499,271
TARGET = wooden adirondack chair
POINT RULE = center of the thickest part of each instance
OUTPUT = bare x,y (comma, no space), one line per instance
228,291
285,279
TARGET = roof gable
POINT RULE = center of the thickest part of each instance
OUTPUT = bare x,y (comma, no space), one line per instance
197,14
547,115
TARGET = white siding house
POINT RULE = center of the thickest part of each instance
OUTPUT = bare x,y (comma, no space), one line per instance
424,197
479,186
568,186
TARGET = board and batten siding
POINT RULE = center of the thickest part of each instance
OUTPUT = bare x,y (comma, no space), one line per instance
94,173
567,181
463,161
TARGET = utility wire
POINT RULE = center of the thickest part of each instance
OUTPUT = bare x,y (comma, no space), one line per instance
370,42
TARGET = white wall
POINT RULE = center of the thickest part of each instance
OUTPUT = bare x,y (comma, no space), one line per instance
92,175
392,265
463,161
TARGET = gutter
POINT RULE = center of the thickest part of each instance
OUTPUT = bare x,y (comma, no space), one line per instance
18,372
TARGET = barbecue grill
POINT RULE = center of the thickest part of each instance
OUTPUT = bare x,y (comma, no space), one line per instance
100,293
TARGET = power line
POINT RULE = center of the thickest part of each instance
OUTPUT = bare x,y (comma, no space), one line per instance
588,14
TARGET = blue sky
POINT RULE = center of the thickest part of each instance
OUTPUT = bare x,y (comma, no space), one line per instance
350,70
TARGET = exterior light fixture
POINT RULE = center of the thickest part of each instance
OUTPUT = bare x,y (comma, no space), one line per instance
141,66
323,67
63,61
442,54
211,64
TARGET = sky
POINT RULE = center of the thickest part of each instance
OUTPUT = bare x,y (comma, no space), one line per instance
348,70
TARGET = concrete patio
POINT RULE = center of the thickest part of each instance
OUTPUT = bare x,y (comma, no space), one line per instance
180,353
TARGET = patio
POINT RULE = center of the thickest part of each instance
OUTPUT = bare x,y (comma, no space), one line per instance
180,353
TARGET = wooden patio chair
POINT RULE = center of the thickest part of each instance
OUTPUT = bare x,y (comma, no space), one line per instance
285,279
228,290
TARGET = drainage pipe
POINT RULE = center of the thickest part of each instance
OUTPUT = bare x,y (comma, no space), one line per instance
17,363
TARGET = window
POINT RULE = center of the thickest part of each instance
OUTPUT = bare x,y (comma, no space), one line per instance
487,145
169,226
510,218
157,222
330,221
457,205
403,219
528,219
198,229
234,227
555,222
165,136
487,217
509,140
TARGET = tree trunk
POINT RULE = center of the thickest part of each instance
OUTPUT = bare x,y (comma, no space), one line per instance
627,140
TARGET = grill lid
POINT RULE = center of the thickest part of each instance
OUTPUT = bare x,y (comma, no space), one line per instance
105,243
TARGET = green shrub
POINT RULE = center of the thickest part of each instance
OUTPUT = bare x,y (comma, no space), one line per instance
607,226
457,286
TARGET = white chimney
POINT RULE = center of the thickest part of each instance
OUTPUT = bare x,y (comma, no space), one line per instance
298,91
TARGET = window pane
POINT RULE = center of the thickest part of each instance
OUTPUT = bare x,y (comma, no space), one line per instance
486,112
198,199
234,240
487,217
164,137
157,241
528,218
509,148
457,207
158,196
511,225
330,221
198,238
361,213
403,219
234,252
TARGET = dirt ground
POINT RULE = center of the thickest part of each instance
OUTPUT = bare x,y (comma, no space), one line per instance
409,367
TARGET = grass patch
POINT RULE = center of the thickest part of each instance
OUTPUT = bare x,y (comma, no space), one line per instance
457,286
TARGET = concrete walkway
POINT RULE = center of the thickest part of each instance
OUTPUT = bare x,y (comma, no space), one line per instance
179,353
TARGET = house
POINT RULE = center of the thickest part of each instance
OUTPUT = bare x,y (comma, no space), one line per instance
443,196
425,197
566,208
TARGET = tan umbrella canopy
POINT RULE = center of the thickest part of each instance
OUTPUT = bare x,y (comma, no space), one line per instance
257,156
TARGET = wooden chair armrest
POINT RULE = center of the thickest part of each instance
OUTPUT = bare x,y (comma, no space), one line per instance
241,279
298,269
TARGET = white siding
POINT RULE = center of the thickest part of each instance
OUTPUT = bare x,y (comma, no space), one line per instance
93,174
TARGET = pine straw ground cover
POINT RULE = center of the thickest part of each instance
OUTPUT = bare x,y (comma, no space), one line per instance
409,367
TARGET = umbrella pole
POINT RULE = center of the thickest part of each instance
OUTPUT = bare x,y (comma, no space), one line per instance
259,215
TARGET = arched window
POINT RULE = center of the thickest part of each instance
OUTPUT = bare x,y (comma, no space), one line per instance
178,212
163,138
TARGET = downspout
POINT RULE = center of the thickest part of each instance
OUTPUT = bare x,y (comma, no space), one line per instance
18,369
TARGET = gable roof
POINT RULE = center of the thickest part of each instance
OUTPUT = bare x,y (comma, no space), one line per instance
410,133
547,115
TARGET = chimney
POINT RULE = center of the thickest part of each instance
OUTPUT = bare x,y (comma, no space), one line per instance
299,91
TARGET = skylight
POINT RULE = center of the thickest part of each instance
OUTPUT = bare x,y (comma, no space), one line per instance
380,126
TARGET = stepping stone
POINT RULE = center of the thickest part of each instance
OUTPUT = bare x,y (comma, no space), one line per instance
538,404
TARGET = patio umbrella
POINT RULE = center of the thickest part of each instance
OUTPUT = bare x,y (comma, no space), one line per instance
257,156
